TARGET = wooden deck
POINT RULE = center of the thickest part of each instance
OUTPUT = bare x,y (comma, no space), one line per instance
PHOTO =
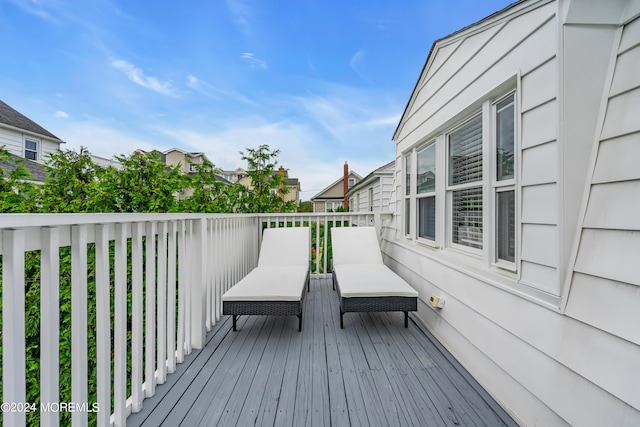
373,372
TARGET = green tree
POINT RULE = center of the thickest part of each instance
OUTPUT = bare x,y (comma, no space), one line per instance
306,206
72,184
267,187
144,183
207,191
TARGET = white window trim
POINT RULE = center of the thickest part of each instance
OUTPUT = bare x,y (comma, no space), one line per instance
449,189
496,186
434,194
38,147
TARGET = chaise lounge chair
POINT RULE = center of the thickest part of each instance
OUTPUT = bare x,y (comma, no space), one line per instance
276,286
364,283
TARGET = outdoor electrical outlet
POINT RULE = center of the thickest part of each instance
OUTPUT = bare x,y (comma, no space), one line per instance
436,301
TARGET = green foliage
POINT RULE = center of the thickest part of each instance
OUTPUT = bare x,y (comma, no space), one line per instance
143,184
306,206
267,188
208,193
17,195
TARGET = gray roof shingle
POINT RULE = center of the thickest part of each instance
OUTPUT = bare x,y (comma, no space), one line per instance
11,117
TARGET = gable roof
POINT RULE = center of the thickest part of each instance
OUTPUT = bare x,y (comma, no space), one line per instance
38,171
386,169
12,118
329,187
432,53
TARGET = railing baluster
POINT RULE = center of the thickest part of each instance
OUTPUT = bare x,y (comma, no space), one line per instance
79,352
197,279
171,299
181,291
120,327
136,321
103,326
13,333
150,310
162,303
50,324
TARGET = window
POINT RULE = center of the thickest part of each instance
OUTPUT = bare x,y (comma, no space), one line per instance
426,191
407,195
465,184
370,199
460,188
192,168
31,149
352,182
504,185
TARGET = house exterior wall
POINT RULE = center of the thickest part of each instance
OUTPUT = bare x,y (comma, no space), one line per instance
333,194
13,140
555,339
380,189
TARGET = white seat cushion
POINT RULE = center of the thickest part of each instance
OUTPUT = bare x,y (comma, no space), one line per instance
355,245
371,280
270,284
285,247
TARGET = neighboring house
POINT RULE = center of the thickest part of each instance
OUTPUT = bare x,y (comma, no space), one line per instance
516,196
373,192
104,162
334,196
293,184
234,176
22,137
188,164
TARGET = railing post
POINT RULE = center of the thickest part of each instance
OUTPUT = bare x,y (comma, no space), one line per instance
198,294
13,333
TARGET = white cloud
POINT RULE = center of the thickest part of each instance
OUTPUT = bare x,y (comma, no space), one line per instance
356,60
137,76
61,114
253,62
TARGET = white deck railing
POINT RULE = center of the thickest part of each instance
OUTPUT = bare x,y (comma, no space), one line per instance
163,274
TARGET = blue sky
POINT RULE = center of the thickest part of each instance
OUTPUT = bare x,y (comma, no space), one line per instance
323,81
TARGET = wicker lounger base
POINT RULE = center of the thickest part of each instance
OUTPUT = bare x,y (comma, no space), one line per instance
263,308
376,304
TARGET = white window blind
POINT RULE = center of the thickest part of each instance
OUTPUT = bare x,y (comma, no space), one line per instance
465,153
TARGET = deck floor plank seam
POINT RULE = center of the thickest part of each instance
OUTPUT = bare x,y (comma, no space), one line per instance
374,372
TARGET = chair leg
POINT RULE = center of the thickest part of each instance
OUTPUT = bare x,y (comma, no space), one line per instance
406,319
299,322
341,321
234,322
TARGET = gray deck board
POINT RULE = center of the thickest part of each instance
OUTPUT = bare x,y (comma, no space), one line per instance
374,372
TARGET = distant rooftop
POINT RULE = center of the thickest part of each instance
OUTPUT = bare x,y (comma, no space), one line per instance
11,117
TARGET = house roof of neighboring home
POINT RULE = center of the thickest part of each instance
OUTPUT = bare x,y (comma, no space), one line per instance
12,118
386,169
292,182
319,196
186,153
432,51
38,171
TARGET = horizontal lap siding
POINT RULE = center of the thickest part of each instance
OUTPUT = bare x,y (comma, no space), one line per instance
12,141
605,287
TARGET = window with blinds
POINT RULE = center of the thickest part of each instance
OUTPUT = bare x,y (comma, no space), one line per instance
465,183
426,191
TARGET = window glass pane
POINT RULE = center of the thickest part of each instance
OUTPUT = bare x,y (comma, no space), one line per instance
427,170
505,226
31,155
505,137
407,175
465,153
407,216
31,145
427,217
466,219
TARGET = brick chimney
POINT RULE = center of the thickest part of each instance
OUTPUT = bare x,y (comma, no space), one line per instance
345,186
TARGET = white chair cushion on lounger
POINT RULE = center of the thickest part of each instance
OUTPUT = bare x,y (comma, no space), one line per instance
285,247
355,245
371,280
270,284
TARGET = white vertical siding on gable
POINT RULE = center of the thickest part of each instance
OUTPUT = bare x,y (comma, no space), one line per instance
538,86
540,204
622,115
440,59
627,74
